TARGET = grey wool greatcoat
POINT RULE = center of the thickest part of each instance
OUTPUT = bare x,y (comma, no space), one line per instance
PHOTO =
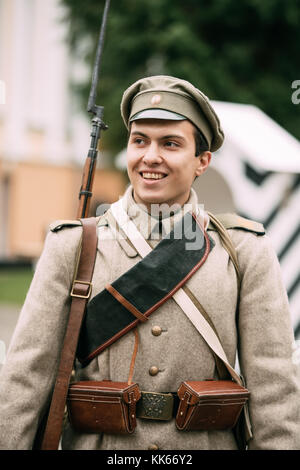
265,343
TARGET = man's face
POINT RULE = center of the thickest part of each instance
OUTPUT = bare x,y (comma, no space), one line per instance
161,161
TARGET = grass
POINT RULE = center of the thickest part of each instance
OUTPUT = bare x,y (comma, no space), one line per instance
14,284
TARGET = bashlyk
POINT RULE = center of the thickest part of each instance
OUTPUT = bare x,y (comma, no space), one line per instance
163,115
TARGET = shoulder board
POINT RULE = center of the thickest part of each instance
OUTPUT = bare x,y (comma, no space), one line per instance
234,221
60,224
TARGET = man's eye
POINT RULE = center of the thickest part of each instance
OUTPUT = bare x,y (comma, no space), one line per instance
171,144
139,141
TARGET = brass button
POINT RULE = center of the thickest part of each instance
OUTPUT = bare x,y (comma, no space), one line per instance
156,330
153,370
153,447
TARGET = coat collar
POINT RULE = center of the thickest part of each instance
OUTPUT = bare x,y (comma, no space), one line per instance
159,223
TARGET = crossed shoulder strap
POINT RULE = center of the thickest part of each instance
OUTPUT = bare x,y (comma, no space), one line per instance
196,315
180,297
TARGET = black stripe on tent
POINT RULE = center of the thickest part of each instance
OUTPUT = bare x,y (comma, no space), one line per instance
282,202
289,243
254,175
294,286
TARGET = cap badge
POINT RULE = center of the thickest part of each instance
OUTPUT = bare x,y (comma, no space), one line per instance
156,99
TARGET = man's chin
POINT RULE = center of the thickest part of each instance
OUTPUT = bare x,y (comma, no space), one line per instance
149,198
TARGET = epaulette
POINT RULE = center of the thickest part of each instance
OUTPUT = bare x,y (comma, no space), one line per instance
234,221
60,224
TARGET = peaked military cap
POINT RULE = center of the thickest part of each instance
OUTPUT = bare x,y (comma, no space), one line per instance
166,97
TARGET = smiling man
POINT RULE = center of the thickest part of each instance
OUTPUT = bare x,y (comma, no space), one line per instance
150,292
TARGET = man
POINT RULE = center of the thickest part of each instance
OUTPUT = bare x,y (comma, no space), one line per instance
172,131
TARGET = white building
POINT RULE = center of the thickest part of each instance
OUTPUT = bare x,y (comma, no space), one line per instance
38,117
44,135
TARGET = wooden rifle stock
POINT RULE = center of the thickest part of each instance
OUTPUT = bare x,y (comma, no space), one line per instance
84,194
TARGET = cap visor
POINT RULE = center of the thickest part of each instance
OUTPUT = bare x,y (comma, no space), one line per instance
157,114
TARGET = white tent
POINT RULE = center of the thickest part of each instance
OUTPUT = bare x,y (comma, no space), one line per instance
261,164
264,143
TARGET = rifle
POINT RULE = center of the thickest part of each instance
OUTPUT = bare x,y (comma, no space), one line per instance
49,430
85,192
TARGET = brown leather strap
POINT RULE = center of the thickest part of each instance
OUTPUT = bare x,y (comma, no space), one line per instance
81,291
133,358
129,306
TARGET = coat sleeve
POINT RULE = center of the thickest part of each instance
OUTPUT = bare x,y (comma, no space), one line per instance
267,346
28,375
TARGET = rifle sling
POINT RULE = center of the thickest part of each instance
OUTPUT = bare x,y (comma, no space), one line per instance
80,293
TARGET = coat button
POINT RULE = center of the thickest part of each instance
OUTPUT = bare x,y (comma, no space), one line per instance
153,447
153,370
156,330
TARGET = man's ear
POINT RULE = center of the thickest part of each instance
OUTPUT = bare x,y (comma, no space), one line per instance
203,162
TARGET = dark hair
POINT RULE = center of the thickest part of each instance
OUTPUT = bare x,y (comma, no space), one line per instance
200,141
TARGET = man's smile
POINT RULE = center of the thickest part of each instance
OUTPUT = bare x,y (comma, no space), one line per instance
151,175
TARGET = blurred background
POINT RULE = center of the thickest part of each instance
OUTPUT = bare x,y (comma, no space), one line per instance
243,55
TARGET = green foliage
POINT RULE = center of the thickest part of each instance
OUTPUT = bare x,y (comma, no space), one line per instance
241,51
14,284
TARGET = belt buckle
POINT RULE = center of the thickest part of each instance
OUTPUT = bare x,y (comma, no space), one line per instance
153,405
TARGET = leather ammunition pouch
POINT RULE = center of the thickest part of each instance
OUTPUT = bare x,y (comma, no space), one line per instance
106,406
210,405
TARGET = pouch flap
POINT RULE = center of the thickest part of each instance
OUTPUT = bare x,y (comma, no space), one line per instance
107,387
100,387
183,390
216,388
133,391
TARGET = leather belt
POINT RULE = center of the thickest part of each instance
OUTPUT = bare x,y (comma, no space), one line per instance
157,406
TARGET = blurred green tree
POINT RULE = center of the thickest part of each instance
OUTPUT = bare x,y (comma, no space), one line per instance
245,52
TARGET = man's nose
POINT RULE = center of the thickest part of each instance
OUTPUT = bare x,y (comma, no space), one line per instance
152,155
